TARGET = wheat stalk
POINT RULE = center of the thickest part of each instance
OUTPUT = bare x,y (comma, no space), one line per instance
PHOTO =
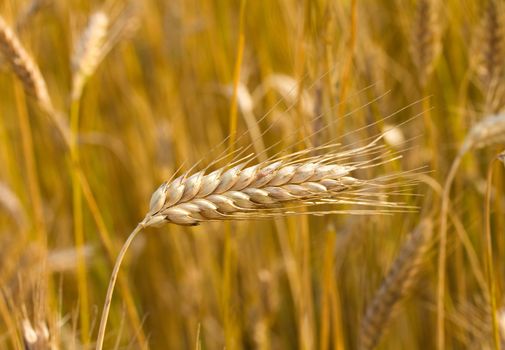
399,281
240,191
23,66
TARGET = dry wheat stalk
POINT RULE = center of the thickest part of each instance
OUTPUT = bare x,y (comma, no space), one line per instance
88,51
23,66
399,281
239,191
425,42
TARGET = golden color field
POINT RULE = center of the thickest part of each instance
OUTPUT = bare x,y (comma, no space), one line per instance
382,226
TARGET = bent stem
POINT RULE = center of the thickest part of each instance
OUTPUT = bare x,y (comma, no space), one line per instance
112,283
443,252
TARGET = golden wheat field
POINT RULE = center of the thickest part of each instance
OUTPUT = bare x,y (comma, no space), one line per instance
252,174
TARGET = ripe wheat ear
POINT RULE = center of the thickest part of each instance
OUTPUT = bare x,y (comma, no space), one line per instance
273,188
23,66
398,283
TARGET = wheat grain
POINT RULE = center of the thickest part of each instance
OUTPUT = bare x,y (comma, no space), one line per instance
23,66
399,281
88,51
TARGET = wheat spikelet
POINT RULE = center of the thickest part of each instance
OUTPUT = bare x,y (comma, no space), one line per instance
88,51
425,43
23,66
487,132
242,191
399,281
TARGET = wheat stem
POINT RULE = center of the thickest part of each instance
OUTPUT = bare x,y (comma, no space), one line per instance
347,65
78,222
31,166
112,283
228,250
489,256
442,255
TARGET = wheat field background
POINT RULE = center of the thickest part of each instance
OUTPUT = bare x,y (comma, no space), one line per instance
131,93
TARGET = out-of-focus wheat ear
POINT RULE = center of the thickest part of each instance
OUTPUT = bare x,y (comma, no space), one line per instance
400,280
425,40
487,132
23,66
88,52
489,48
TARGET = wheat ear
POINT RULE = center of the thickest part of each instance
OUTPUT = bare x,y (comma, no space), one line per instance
489,131
23,66
425,42
491,45
88,52
400,280
240,192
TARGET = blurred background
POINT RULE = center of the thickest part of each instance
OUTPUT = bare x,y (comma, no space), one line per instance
162,92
